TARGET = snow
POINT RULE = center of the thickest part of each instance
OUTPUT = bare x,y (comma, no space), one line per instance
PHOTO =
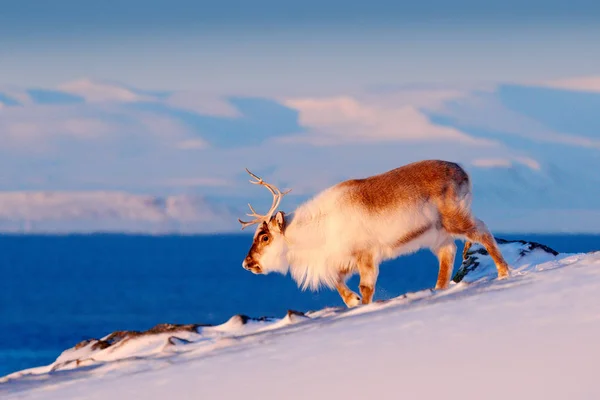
579,83
110,211
525,161
533,335
340,120
95,91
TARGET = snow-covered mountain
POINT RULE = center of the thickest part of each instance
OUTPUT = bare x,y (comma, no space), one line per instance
60,212
533,335
532,150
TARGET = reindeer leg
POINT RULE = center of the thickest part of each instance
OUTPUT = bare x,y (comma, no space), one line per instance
445,254
466,249
368,271
481,234
350,298
475,230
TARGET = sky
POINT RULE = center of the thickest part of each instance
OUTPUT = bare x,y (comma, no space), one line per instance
268,47
178,97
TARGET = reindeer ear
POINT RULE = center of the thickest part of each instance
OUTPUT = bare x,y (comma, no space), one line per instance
280,220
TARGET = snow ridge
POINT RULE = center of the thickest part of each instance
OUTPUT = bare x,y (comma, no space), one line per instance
128,352
110,211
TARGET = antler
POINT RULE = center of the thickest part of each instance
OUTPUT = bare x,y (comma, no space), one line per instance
277,195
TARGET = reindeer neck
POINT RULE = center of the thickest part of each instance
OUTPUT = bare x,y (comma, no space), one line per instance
289,218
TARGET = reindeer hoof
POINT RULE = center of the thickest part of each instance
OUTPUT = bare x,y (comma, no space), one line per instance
504,273
353,301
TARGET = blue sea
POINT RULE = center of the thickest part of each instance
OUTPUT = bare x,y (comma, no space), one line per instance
58,290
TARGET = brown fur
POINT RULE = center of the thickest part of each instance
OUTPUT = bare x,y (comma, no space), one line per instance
346,294
409,237
257,247
368,276
475,231
443,182
409,184
488,241
445,255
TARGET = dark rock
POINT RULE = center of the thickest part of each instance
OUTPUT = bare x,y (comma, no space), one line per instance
471,255
164,328
291,313
245,319
84,343
174,340
100,345
121,336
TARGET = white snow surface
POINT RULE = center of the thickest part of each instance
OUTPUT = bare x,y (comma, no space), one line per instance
532,336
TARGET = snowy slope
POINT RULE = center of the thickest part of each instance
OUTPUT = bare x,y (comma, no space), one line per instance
531,336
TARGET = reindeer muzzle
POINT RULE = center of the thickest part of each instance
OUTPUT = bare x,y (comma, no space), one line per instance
252,266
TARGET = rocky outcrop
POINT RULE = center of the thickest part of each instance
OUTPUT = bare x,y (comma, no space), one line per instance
164,339
477,262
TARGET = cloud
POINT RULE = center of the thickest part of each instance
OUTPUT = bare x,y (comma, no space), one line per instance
202,104
15,96
140,123
7,101
199,144
84,128
94,91
505,162
491,163
335,120
34,130
530,162
192,144
582,83
197,181
421,96
39,127
487,114
45,96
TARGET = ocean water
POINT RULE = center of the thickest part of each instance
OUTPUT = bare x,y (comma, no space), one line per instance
58,290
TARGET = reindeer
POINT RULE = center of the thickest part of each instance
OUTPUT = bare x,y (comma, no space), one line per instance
357,224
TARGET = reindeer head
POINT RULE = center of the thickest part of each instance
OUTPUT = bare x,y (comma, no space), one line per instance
269,247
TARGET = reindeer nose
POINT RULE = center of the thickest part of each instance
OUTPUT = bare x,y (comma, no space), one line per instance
251,265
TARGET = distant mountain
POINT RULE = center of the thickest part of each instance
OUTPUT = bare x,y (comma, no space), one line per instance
62,212
533,151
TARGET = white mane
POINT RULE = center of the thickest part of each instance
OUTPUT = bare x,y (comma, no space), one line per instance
318,240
